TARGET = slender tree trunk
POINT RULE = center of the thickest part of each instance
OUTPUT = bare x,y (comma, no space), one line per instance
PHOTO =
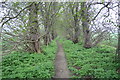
47,25
77,34
34,29
85,24
46,37
118,49
53,34
49,11
76,23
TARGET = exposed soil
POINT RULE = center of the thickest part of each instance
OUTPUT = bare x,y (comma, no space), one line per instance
78,68
61,69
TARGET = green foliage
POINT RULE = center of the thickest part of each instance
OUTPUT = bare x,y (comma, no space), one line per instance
113,40
97,62
105,49
26,65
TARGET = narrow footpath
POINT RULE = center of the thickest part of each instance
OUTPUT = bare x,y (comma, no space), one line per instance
61,69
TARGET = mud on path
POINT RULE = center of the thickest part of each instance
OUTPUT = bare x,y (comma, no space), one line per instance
61,69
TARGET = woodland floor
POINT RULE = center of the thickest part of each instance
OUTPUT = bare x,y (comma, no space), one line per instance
61,69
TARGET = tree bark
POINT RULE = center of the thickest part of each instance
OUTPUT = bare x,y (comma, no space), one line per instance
85,25
49,13
75,10
34,28
118,49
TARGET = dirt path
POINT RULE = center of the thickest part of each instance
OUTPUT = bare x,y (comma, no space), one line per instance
61,70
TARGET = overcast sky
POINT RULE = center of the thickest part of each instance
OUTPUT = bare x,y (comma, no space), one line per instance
113,16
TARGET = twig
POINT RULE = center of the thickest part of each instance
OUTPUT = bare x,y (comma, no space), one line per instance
14,16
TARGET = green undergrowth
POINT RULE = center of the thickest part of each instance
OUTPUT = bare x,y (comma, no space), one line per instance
26,65
97,62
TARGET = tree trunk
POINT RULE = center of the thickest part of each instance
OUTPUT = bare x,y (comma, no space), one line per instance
118,49
34,29
76,23
53,34
46,37
85,24
49,12
76,36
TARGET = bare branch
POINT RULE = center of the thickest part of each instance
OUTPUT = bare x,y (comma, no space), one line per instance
100,10
14,16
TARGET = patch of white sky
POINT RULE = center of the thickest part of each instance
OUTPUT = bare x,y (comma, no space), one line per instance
113,14
13,24
113,17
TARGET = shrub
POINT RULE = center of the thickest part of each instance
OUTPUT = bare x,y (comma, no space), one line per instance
26,65
97,62
105,49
